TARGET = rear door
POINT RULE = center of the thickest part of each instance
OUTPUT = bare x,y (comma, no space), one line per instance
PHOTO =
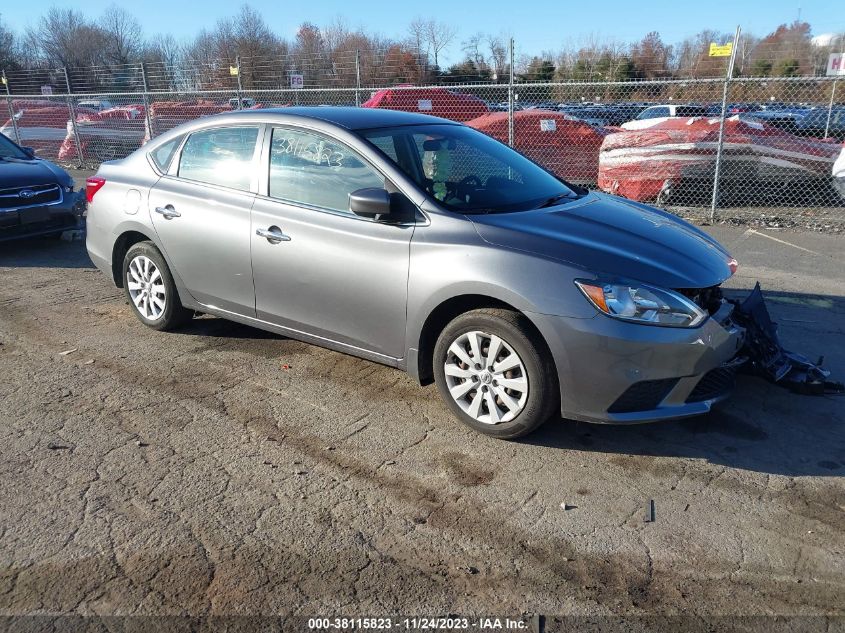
201,212
329,273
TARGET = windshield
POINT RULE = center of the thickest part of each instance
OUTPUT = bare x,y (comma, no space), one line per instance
468,171
10,150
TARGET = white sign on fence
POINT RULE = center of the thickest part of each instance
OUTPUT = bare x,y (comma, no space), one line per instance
297,82
548,125
836,65
46,90
424,105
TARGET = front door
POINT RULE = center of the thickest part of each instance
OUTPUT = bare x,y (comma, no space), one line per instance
317,267
201,214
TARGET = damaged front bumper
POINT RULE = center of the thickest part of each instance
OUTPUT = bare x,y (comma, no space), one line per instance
614,372
767,357
617,372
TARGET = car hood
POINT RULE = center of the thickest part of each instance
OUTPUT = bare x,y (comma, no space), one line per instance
27,173
607,235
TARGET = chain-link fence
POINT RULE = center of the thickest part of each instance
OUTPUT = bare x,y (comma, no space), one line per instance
738,149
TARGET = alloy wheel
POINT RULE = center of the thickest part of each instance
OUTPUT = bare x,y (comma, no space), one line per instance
146,287
486,377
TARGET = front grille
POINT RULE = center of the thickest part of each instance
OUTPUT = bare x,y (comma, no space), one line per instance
34,196
643,396
716,382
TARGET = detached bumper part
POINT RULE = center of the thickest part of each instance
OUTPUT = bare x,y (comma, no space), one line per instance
768,358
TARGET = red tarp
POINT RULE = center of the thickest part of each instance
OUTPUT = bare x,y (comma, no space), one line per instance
434,101
107,134
636,163
567,147
41,125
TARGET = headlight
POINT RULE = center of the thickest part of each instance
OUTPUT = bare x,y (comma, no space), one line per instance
642,304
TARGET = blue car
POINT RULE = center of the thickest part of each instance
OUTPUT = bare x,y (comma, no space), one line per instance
36,196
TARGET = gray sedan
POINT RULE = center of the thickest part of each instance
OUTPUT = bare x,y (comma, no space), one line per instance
422,244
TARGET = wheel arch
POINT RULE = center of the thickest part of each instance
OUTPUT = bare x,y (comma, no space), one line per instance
421,362
121,246
130,235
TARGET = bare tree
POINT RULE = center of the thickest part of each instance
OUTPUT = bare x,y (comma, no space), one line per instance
498,55
64,37
8,48
439,35
123,36
418,35
162,56
473,48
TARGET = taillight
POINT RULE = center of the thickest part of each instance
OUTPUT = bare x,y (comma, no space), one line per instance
92,185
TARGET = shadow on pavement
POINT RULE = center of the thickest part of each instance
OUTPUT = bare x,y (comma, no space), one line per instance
44,252
215,327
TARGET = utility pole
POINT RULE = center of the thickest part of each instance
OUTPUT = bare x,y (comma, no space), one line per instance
728,75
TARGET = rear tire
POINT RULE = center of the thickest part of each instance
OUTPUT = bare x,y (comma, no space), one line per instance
495,373
149,288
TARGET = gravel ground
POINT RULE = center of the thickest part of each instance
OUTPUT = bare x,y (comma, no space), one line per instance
224,470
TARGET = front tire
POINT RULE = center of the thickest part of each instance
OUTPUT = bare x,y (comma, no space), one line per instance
149,288
495,373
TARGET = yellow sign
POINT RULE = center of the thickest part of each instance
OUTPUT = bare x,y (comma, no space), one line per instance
3,79
721,50
233,70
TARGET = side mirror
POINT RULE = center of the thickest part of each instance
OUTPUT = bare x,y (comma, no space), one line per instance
369,202
29,150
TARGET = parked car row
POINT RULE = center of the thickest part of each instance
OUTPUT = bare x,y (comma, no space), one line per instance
642,151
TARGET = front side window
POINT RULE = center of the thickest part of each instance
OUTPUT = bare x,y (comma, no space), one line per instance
470,172
312,169
220,156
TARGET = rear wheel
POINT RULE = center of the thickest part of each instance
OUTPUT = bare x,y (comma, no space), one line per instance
150,290
495,373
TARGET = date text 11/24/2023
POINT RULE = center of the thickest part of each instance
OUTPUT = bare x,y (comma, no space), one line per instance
419,623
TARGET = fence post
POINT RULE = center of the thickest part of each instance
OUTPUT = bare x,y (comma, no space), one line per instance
11,109
238,66
510,97
832,90
830,107
357,77
147,116
718,172
72,109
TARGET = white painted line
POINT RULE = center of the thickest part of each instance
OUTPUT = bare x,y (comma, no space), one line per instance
780,241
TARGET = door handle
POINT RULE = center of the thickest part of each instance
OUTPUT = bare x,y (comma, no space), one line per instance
168,212
273,235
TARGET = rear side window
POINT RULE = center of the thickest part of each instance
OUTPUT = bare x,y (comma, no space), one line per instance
316,170
163,154
386,145
220,156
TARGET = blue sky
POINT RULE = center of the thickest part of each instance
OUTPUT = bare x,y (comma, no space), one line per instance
536,25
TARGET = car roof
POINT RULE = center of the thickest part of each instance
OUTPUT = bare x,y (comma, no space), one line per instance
350,118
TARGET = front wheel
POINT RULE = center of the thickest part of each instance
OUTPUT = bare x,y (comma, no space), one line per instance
150,290
495,373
